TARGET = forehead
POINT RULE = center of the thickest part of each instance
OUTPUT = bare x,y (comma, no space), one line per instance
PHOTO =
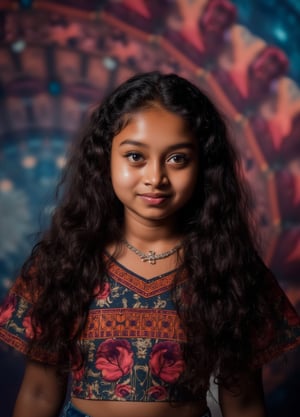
154,122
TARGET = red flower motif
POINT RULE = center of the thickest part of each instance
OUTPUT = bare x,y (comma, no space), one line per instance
7,309
28,327
158,393
27,323
114,358
123,390
101,295
166,361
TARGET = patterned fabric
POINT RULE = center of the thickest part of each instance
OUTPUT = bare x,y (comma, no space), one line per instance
133,337
132,340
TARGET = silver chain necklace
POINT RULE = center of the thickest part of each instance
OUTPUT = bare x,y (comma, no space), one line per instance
151,257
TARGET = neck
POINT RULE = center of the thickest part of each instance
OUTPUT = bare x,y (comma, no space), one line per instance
158,236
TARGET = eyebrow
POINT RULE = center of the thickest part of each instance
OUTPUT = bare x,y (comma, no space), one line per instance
188,145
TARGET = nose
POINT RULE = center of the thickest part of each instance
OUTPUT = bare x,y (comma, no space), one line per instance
155,174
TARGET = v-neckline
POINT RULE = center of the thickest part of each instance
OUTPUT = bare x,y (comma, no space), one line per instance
146,287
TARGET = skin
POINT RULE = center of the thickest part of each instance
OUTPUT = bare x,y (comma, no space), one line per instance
154,166
153,157
42,392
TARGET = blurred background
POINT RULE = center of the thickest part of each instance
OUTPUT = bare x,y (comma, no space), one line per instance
58,58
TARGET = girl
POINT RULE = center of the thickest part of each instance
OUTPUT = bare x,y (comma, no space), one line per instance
148,281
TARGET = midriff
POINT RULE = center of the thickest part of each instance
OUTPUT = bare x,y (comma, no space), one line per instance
96,408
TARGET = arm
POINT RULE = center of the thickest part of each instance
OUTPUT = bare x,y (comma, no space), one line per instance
42,392
247,400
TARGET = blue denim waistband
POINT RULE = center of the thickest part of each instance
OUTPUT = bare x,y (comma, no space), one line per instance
71,411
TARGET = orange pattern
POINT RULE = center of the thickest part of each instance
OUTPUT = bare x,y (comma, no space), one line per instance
132,323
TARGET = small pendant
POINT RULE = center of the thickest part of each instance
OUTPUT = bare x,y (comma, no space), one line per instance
150,258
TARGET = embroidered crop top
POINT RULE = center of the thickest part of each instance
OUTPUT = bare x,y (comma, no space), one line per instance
132,340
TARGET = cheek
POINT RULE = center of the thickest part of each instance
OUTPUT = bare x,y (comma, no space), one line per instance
121,175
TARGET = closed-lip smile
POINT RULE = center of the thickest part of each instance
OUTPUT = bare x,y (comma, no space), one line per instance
154,195
154,198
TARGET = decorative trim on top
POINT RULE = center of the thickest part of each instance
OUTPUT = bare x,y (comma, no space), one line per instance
145,288
133,323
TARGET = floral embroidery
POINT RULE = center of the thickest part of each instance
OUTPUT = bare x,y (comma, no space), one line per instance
132,340
166,361
7,309
28,327
142,346
77,391
123,390
157,393
114,358
101,295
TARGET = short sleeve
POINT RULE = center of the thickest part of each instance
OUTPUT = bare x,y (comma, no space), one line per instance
281,332
15,322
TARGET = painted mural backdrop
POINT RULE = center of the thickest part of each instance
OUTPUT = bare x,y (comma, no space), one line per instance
57,58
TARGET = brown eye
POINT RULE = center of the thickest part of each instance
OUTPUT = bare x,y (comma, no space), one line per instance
179,159
134,157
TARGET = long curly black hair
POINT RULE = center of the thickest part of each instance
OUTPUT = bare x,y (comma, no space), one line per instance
226,284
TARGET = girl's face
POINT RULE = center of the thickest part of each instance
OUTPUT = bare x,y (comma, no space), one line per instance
154,165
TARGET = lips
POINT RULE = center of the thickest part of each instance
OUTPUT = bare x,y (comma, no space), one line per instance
153,198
